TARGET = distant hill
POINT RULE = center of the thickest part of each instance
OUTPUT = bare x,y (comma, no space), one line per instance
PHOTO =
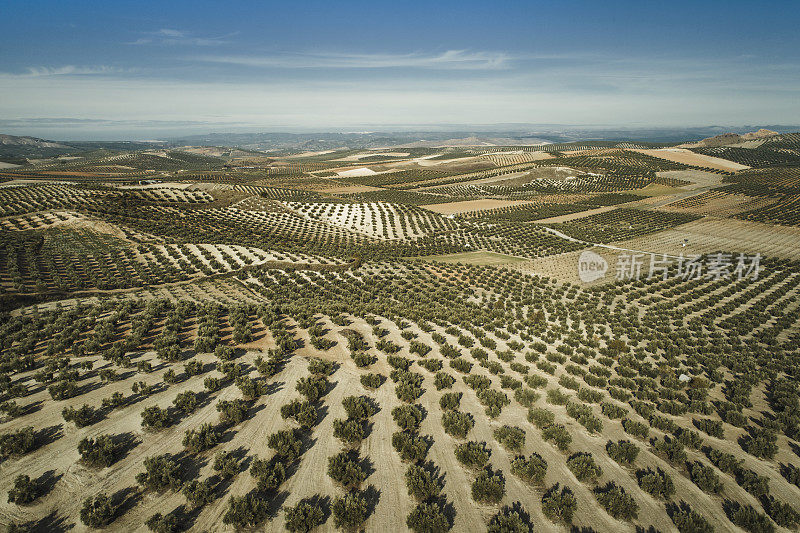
13,140
19,150
730,138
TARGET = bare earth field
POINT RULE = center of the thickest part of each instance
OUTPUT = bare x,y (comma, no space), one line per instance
687,157
482,258
714,234
453,208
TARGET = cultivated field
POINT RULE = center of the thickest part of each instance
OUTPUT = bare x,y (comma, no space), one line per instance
210,339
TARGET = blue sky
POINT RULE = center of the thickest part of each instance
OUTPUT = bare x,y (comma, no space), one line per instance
133,69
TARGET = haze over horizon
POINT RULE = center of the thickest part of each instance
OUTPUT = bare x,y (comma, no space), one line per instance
142,70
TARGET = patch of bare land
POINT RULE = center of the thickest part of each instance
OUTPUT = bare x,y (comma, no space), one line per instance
575,216
453,208
718,204
356,157
699,178
356,172
345,189
687,157
714,234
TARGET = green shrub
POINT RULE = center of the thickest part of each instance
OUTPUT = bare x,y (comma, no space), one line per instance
407,417
493,400
747,518
756,485
350,511
410,446
302,412
313,387
226,464
363,359
97,452
318,367
359,407
24,490
443,380
656,482
269,474
246,511
161,472
232,411
623,451
618,503
350,432
168,523
97,511
613,411
372,381
198,493
672,450
457,424
559,504
201,439
584,467
511,438
526,397
155,418
704,477
687,520
473,454
81,417
531,469
637,429
428,517
540,417
450,401
422,484
556,397
510,520
286,443
304,516
782,513
489,487
344,469
558,435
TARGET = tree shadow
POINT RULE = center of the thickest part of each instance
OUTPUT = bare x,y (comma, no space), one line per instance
52,523
373,496
32,407
190,465
88,387
49,435
124,443
125,499
47,482
365,463
275,503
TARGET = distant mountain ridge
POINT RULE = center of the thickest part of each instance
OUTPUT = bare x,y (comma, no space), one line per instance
730,138
29,141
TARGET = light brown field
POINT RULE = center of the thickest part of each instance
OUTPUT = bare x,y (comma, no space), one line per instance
574,216
452,208
718,204
712,234
687,157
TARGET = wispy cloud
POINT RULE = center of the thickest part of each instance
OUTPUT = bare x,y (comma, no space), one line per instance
451,59
171,36
66,70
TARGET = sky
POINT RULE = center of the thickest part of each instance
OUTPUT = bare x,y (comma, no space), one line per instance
140,70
